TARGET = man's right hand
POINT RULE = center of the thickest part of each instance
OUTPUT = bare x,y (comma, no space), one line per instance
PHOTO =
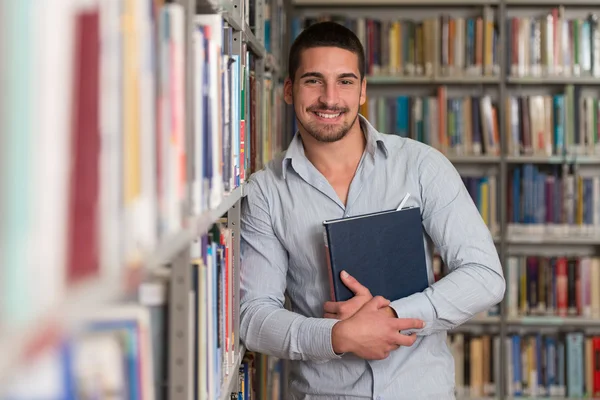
372,335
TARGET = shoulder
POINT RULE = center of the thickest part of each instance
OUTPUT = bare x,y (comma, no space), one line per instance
422,158
261,184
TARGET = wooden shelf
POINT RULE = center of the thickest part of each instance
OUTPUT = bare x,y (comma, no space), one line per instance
553,159
516,239
540,321
554,80
257,48
568,3
432,80
473,159
233,20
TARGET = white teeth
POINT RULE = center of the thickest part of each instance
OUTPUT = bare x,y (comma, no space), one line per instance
328,115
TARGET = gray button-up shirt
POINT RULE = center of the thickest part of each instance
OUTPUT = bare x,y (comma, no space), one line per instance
283,250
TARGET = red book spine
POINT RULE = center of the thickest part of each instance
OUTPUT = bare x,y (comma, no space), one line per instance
85,150
596,366
561,286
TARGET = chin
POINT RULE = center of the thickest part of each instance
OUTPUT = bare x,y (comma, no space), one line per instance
329,130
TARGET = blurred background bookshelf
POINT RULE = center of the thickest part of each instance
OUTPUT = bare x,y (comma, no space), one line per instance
508,91
127,131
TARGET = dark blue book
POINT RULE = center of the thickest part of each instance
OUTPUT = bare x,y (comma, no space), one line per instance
384,251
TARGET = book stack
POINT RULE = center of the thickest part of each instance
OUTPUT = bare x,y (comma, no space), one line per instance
476,364
563,124
261,378
567,286
554,44
554,365
484,193
552,201
437,46
456,126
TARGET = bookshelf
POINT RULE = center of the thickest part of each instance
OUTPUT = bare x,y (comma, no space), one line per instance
407,85
124,161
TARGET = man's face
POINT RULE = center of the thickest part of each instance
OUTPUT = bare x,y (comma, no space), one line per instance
327,92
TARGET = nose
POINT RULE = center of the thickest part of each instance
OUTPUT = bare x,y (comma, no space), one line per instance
329,95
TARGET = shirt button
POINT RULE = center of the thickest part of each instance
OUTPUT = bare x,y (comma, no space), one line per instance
379,398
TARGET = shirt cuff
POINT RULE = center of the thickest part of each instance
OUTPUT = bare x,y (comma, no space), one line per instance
316,339
415,306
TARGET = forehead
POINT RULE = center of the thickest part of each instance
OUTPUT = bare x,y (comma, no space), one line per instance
328,60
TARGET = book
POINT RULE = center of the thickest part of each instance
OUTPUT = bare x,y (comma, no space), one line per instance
384,251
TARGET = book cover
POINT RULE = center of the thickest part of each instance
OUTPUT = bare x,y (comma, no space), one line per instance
384,251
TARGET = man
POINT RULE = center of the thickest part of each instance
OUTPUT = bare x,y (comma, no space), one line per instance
339,165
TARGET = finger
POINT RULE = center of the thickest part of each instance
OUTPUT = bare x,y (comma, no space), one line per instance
401,324
377,302
330,316
354,285
405,340
332,306
393,347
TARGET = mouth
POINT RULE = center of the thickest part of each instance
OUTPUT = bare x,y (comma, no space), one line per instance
328,116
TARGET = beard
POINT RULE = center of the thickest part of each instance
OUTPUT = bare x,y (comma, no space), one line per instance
328,133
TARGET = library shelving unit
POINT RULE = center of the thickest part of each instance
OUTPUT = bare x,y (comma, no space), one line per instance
128,129
537,64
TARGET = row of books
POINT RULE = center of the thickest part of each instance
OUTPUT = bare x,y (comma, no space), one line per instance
561,365
101,163
552,200
120,352
553,286
537,366
440,46
454,125
79,145
476,364
553,45
484,193
261,377
560,124
212,300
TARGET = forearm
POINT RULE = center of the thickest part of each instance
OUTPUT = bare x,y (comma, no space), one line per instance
270,329
458,232
454,299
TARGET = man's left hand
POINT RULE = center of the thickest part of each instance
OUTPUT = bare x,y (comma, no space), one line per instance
345,309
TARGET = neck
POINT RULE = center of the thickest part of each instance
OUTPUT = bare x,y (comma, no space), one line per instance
337,156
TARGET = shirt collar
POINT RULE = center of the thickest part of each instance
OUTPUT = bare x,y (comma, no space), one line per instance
375,141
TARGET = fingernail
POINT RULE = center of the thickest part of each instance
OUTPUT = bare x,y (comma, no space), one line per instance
422,324
344,274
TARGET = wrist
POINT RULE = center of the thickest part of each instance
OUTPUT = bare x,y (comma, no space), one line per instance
338,343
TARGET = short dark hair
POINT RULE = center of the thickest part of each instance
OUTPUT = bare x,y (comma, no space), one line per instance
325,34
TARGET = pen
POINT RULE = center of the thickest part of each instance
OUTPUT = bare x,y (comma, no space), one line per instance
403,202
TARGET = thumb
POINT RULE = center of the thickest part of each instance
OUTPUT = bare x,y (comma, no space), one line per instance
378,302
354,285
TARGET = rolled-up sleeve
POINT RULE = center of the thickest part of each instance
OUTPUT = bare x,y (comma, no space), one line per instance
451,219
265,325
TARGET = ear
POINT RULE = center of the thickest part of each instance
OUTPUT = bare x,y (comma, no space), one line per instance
363,91
287,91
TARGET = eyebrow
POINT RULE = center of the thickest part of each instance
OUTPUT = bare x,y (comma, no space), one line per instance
321,76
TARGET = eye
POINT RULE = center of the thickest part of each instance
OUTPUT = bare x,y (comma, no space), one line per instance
311,81
346,82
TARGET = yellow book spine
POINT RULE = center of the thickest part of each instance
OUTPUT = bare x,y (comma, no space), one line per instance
485,203
131,129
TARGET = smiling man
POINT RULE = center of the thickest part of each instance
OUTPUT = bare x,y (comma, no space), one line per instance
338,165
